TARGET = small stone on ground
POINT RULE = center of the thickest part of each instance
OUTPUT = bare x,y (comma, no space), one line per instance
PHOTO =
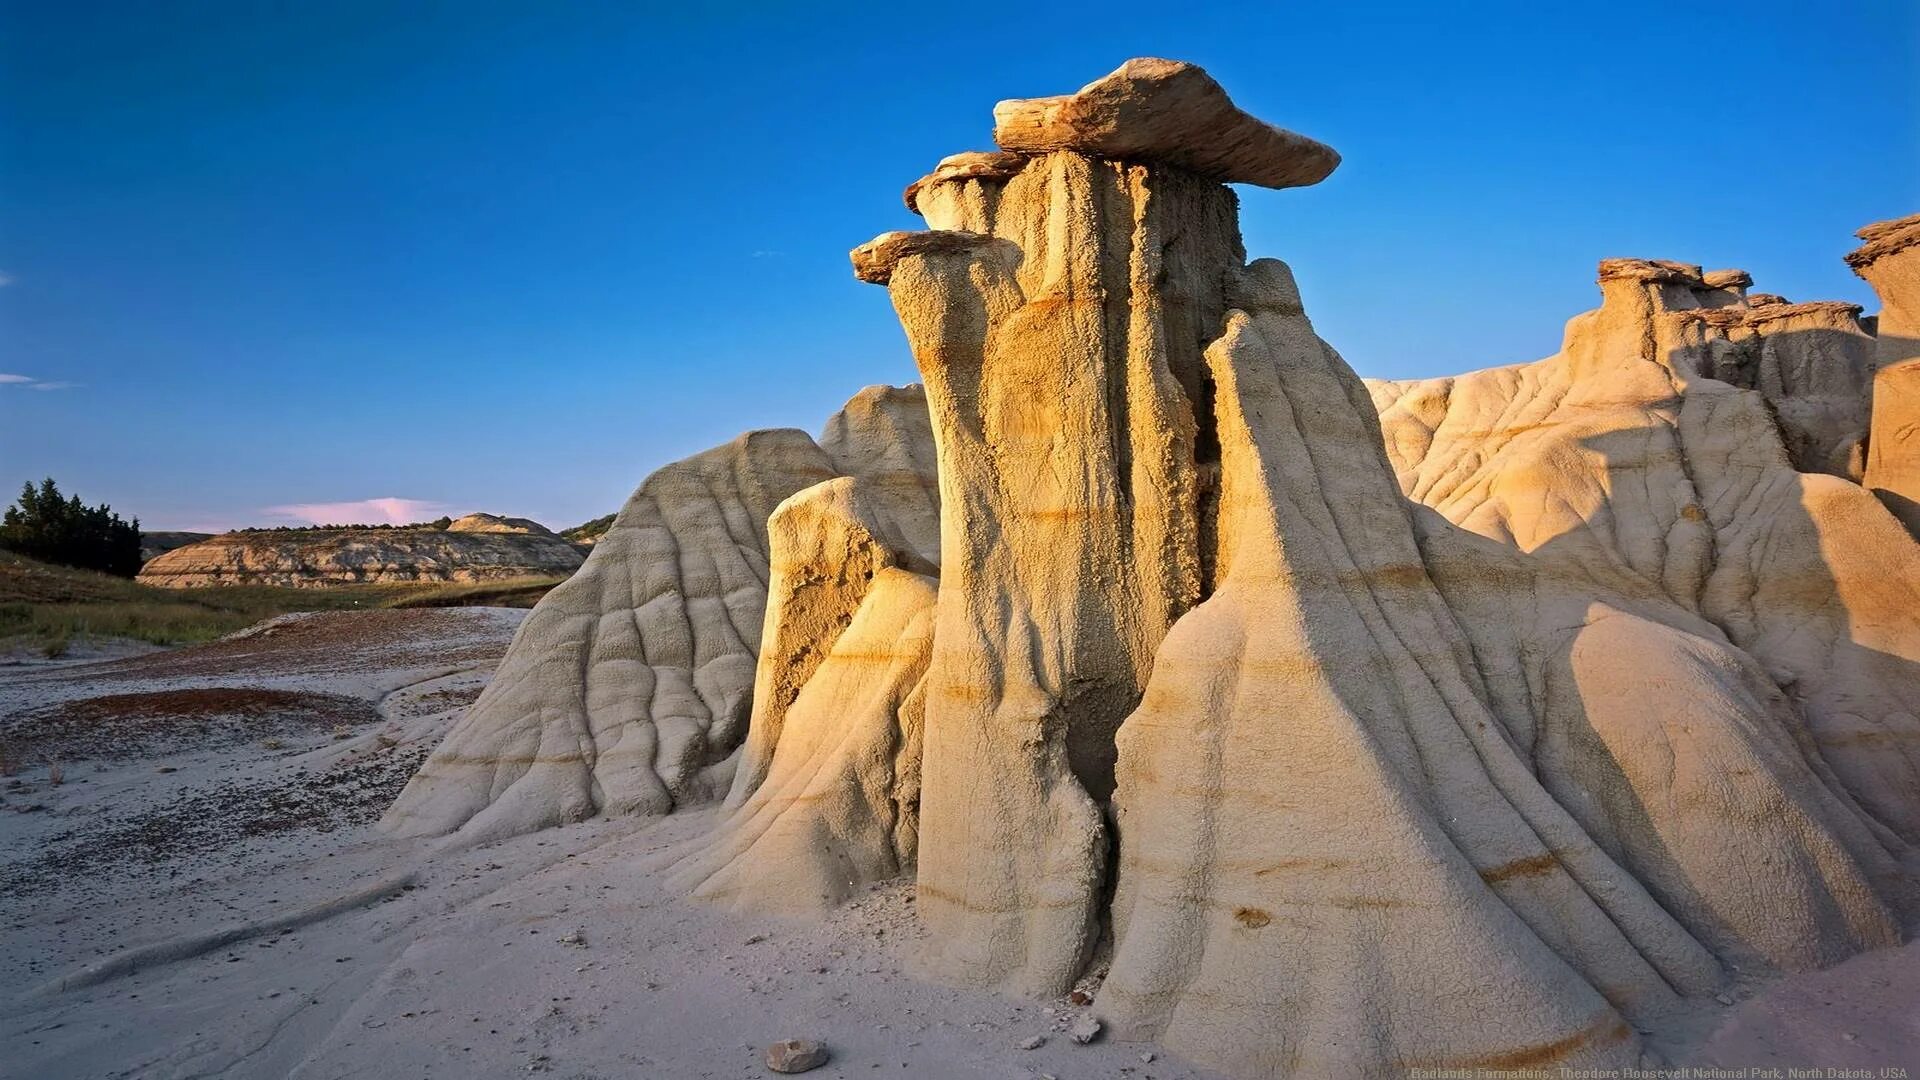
796,1055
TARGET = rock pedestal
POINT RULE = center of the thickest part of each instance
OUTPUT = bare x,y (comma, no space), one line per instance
1058,314
1890,262
1370,793
1478,728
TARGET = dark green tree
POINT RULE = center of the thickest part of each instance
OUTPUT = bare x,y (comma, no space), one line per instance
45,526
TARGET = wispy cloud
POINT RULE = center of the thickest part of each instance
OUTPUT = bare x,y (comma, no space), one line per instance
28,382
388,511
6,279
767,254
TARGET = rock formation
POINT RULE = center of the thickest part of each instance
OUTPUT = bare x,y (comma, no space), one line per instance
1384,794
1637,458
629,686
318,558
1493,726
1890,262
494,523
1396,791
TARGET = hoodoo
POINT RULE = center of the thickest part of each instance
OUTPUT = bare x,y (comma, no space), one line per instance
1367,792
1495,721
1889,260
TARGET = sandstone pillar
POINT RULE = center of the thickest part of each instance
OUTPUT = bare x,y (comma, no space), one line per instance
1890,262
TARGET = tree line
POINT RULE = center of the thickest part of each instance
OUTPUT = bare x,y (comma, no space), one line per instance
439,524
47,526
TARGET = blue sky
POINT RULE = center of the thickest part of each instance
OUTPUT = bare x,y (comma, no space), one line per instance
265,258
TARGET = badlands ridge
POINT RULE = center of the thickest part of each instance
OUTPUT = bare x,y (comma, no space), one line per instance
1344,727
477,547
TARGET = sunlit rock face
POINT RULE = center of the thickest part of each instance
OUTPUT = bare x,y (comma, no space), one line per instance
1379,793
1890,261
1650,457
1482,722
630,686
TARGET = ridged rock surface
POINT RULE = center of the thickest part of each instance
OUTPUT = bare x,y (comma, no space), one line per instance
826,797
1625,460
828,543
1388,794
317,558
1390,842
629,686
1492,727
1061,353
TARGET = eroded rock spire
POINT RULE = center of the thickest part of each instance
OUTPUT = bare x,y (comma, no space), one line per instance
1058,312
1384,797
1890,261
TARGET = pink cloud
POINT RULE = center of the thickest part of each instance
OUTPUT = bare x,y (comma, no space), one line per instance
387,511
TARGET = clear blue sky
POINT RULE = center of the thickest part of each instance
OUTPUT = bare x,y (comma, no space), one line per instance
514,256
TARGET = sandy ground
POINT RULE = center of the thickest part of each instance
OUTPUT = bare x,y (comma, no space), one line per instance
204,895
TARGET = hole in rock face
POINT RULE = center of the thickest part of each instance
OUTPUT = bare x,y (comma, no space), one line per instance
1093,712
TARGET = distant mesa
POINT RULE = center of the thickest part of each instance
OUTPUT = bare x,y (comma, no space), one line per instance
474,548
494,523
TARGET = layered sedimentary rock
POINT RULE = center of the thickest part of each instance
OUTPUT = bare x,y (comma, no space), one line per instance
825,798
1388,795
1636,458
826,790
1058,317
1168,112
1397,791
1493,727
828,544
1813,365
317,558
630,685
1890,261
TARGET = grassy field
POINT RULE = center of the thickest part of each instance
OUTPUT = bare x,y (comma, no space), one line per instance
47,607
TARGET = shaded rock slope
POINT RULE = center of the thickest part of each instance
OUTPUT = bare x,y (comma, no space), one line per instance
1625,460
1494,722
